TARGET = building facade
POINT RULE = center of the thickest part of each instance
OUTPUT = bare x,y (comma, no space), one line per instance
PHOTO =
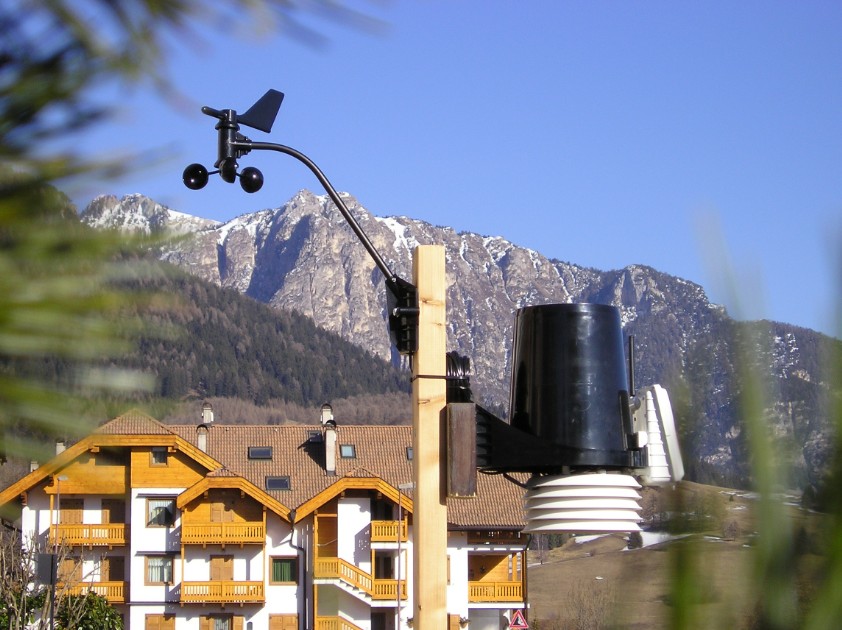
288,527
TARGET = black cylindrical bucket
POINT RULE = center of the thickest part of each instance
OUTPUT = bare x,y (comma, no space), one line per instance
569,383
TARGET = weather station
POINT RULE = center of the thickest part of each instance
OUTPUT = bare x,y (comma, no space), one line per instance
577,426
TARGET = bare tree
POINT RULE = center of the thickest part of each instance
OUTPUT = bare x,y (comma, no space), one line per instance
25,593
589,605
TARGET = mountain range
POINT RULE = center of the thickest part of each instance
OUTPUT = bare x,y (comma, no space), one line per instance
303,257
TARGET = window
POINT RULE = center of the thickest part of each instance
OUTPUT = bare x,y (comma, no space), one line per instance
112,569
70,570
221,622
158,456
284,570
409,453
277,483
160,512
160,622
221,512
159,569
113,511
314,436
348,451
221,568
72,511
260,452
283,622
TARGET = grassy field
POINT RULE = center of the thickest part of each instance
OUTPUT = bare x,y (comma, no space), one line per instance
599,583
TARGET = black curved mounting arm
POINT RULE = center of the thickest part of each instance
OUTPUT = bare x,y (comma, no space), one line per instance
402,296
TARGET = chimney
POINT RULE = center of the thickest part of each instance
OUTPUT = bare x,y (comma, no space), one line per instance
330,447
202,437
330,431
59,448
203,429
33,466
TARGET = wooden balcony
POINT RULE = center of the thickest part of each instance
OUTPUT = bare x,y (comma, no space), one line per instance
496,538
335,623
249,533
222,592
495,592
387,589
339,569
387,531
86,535
114,592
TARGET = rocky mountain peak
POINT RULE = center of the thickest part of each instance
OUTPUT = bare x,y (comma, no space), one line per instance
136,213
304,257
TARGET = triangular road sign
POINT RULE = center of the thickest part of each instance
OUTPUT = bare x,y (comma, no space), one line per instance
518,622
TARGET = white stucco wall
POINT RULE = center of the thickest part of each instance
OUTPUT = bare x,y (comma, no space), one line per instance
35,517
280,598
487,619
457,590
146,541
354,531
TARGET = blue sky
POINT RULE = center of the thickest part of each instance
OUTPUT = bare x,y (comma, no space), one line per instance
701,138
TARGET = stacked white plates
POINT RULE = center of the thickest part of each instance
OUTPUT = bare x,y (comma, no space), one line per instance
588,502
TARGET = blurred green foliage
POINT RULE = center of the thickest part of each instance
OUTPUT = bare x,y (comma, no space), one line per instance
795,577
62,287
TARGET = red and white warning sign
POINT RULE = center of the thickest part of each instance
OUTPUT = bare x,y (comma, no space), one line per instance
518,622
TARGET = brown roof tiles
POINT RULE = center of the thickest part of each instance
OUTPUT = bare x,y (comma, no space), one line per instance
134,422
379,452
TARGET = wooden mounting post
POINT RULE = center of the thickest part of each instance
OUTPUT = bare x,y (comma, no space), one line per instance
429,399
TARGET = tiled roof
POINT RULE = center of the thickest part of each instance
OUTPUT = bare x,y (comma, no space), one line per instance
134,422
380,452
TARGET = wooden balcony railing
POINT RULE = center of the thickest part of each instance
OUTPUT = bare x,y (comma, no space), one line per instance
107,534
387,531
222,592
114,592
339,569
335,623
495,591
496,537
388,589
249,533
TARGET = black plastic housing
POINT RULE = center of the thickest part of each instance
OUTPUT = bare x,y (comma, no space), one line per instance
569,401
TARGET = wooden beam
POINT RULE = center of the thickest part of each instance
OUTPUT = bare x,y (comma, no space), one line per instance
429,397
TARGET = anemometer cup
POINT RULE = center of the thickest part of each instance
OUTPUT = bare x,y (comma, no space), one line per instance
251,179
195,177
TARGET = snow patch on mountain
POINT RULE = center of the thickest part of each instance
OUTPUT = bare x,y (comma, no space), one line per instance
403,241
